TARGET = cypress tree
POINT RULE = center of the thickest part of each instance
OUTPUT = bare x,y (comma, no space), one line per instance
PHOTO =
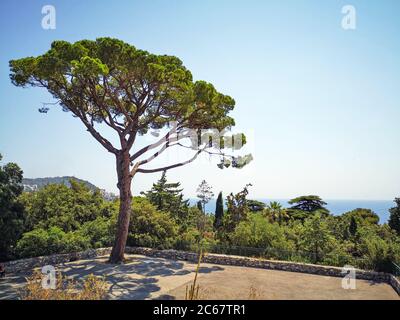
394,219
200,205
219,212
353,226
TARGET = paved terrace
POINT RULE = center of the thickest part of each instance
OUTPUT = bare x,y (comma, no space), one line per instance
144,277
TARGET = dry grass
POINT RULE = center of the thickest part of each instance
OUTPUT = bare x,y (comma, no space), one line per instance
192,291
205,294
254,294
92,288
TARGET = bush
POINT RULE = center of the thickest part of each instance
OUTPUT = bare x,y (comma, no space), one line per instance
66,208
33,244
40,242
74,242
259,233
186,240
339,255
99,231
316,237
377,254
362,216
150,227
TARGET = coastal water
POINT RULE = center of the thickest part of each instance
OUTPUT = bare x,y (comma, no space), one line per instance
336,207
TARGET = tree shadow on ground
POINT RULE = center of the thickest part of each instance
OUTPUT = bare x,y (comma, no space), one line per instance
10,285
136,279
210,269
133,280
132,289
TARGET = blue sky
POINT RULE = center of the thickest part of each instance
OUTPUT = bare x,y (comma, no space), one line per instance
321,104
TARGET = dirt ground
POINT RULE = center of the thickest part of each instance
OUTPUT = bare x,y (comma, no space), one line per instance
156,278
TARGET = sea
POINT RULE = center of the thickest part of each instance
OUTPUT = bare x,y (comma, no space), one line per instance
336,207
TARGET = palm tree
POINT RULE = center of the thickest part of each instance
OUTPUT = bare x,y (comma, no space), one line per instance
276,212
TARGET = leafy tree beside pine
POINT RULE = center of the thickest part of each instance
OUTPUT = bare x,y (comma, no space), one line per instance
11,210
316,237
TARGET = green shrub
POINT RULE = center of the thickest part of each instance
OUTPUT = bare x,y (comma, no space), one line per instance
339,255
33,244
362,216
377,254
150,227
57,205
40,242
75,242
187,239
316,238
99,231
257,232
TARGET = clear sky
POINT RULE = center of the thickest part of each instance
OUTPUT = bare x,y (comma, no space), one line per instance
320,103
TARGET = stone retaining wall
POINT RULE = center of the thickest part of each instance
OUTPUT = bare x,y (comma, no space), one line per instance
26,265
395,283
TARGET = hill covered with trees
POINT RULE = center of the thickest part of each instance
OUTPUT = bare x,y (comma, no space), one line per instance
31,184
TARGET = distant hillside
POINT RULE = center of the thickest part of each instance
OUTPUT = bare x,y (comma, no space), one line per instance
38,183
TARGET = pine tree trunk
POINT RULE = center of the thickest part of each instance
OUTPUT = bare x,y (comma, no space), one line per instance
125,197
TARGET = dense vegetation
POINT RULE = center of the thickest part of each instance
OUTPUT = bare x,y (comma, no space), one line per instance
59,219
